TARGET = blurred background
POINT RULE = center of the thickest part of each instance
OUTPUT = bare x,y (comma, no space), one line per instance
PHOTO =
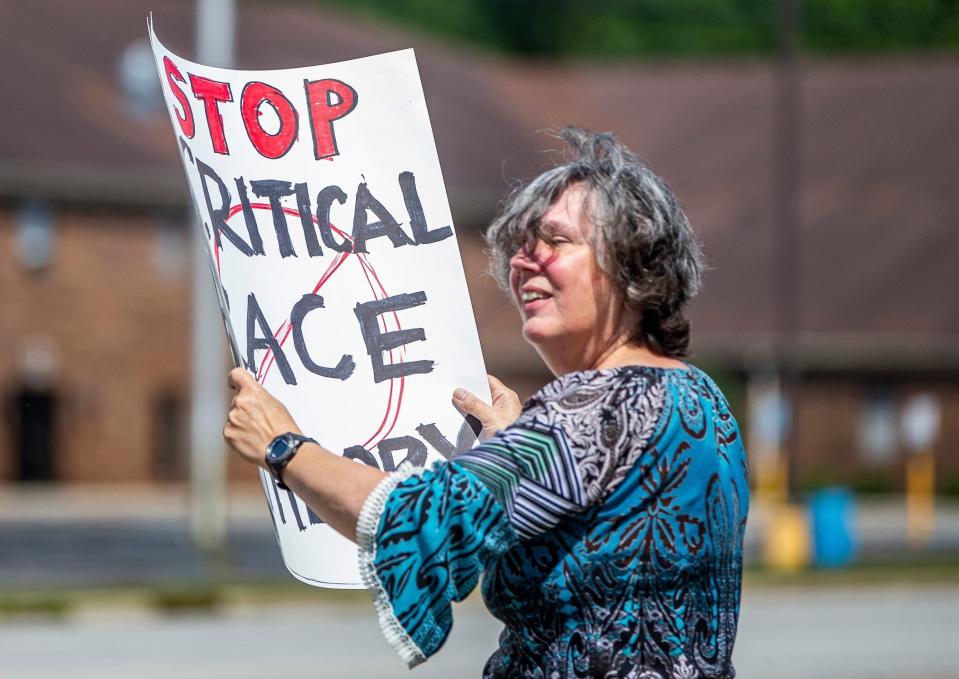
813,145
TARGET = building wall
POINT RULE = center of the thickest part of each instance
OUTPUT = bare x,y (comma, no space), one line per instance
834,414
826,432
103,329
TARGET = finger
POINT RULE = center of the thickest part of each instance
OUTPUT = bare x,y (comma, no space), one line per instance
239,403
233,378
497,388
241,377
468,402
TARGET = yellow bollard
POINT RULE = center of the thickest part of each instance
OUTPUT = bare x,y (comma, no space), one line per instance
920,498
919,426
786,544
772,477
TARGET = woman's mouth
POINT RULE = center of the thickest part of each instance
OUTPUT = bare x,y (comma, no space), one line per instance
531,296
532,300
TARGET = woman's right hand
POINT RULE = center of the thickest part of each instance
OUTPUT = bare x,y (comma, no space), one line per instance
501,413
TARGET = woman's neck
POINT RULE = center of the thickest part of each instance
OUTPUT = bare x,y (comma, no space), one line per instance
632,354
617,354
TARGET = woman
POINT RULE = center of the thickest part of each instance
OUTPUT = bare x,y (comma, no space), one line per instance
607,514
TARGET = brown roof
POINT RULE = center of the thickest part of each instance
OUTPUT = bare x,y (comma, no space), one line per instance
879,206
69,122
879,156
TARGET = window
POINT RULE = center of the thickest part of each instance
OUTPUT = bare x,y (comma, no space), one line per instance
170,247
34,240
878,430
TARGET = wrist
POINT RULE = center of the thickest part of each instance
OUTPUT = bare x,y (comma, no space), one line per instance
294,469
281,451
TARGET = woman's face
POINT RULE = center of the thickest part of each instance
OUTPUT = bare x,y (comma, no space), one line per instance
571,311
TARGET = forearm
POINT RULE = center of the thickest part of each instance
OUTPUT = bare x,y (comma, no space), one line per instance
334,487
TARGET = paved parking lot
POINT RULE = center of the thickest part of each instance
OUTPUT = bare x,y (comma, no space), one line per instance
138,536
786,633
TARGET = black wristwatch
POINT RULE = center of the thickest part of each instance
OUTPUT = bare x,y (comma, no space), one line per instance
281,450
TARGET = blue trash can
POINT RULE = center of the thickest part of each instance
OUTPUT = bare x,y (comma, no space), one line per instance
832,517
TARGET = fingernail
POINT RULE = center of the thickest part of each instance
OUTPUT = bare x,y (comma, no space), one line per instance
459,393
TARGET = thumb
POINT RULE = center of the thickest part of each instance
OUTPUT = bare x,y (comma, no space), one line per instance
470,404
239,378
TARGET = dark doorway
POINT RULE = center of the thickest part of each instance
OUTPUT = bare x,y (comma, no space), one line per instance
169,437
34,413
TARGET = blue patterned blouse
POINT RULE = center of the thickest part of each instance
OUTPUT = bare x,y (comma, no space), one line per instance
607,522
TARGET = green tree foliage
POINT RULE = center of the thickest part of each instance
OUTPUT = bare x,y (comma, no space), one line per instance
631,28
881,25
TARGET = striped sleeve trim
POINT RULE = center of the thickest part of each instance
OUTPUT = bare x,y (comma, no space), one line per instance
532,472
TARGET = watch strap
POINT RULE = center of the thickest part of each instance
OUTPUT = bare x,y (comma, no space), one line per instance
277,464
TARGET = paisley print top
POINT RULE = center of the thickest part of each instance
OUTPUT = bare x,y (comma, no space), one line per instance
607,523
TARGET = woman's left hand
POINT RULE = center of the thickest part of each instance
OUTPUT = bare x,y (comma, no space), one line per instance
501,413
255,418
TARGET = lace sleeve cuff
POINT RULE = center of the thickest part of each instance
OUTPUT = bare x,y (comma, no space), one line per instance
366,527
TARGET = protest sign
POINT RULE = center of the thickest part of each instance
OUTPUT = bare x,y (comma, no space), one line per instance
335,260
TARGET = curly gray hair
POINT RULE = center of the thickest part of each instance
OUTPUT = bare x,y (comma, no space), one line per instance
641,236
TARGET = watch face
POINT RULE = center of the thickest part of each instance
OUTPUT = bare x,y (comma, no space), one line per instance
279,448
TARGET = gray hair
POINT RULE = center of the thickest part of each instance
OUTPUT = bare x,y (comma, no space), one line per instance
641,236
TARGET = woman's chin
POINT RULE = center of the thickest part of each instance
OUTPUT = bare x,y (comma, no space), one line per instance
536,334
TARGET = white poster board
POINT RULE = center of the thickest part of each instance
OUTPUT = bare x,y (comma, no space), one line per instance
334,257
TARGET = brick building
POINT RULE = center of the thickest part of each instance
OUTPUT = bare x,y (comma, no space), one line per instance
94,360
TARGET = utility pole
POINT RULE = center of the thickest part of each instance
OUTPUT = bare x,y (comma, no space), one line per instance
208,405
773,395
787,179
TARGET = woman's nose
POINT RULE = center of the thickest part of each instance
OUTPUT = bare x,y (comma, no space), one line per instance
527,258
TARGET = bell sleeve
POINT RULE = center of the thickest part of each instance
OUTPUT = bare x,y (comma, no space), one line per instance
424,537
